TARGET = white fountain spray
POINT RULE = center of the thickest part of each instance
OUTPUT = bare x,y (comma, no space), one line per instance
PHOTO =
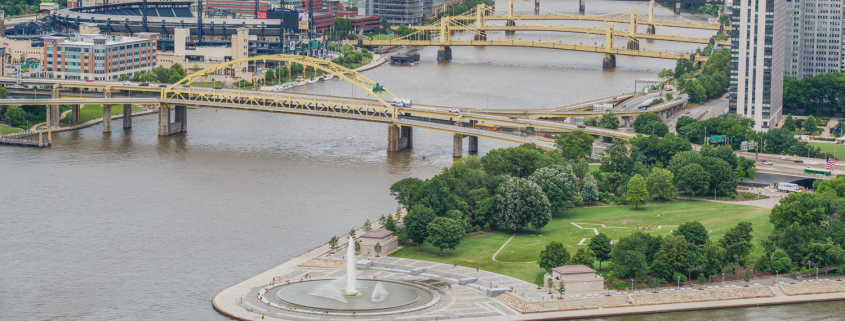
350,269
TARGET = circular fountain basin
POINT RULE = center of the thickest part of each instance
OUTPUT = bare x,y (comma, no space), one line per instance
372,295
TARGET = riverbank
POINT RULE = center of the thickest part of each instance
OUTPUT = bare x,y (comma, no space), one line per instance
85,124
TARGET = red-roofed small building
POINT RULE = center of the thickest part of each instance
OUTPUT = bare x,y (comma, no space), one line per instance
380,235
577,278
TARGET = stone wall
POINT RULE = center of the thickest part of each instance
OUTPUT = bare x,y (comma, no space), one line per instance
812,288
579,286
703,295
324,263
518,304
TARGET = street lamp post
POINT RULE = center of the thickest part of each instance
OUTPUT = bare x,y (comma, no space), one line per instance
723,280
777,276
632,285
679,282
808,154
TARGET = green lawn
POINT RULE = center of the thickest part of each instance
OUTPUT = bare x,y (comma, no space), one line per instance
618,221
94,111
594,168
8,130
831,149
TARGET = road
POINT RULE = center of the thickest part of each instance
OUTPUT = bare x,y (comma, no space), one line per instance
635,102
719,106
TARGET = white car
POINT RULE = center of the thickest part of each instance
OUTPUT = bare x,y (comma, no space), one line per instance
784,158
454,110
766,162
126,83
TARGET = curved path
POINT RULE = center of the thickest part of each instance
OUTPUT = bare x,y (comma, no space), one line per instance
503,246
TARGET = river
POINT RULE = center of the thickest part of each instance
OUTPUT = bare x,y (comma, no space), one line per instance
132,226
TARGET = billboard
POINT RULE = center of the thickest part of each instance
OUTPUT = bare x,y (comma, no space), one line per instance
303,20
262,15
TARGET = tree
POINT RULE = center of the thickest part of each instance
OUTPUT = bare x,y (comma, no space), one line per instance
701,279
520,202
637,193
384,24
643,122
352,233
789,123
559,186
377,248
801,208
333,243
357,246
590,191
584,256
444,233
123,77
368,226
16,116
592,121
737,242
552,256
269,75
416,224
683,66
811,124
747,276
609,120
659,184
3,93
561,288
677,252
601,247
580,168
633,253
693,179
712,258
693,232
745,169
666,73
401,190
390,224
550,283
764,263
794,275
575,145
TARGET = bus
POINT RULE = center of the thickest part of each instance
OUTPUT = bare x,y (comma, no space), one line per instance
788,187
494,128
822,172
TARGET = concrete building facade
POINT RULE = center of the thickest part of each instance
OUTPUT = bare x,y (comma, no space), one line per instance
400,12
99,57
813,37
578,279
384,237
757,60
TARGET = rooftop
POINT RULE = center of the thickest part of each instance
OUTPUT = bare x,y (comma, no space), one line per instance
573,269
379,233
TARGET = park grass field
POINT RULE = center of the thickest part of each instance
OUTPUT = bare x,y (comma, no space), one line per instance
4,129
518,258
830,149
594,168
94,111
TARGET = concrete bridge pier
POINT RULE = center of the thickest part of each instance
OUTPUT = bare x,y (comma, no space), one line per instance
537,7
74,114
458,145
445,53
106,118
399,138
127,116
609,61
53,114
677,8
650,30
529,130
165,127
582,6
473,140
481,35
633,45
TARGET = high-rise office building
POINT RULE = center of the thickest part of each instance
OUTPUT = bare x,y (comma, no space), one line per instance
813,37
757,50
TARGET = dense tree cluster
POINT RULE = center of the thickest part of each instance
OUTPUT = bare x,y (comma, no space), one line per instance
160,74
814,92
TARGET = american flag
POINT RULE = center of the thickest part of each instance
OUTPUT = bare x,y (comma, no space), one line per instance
830,163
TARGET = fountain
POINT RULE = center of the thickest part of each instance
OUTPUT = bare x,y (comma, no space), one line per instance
350,269
348,294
